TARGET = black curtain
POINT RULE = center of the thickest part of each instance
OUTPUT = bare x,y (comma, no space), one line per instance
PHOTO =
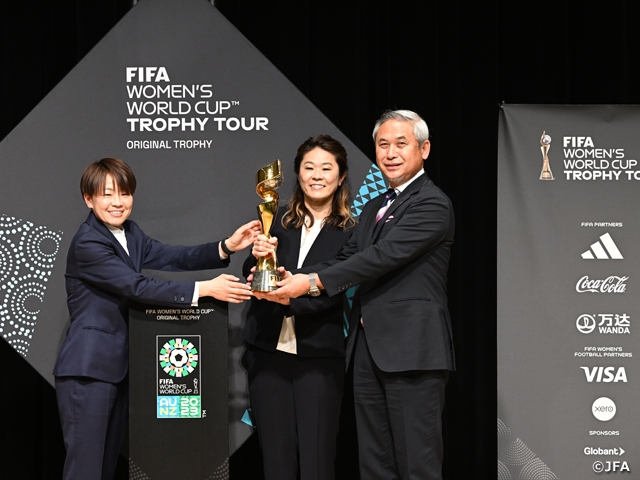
453,64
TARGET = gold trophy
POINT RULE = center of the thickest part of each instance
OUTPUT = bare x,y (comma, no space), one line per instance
268,179
545,141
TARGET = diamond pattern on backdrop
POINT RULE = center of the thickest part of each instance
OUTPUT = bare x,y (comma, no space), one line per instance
372,186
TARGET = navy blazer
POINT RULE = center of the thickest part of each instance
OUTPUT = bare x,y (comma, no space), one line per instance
101,279
400,265
319,321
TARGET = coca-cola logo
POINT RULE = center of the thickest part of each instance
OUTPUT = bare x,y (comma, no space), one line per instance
612,284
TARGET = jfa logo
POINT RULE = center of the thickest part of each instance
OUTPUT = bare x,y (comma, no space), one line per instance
611,467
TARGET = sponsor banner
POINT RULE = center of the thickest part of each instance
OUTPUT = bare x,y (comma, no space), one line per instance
568,277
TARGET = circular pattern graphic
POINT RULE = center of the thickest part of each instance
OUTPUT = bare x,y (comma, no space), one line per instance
18,303
178,357
516,453
504,433
536,470
37,252
27,256
503,471
9,222
6,263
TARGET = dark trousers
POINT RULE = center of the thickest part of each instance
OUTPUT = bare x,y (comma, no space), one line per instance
399,419
94,417
295,403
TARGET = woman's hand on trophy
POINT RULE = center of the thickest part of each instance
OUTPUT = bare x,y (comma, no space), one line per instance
263,246
243,236
227,288
285,274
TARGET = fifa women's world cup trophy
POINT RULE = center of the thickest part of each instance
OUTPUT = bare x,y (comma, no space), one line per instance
268,179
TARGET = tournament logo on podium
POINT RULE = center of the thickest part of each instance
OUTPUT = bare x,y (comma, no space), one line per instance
178,375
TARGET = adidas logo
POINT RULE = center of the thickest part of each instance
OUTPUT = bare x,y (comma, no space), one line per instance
603,250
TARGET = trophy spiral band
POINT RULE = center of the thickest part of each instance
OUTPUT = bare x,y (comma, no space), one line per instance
268,179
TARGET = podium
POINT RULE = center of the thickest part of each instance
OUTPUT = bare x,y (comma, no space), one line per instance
178,392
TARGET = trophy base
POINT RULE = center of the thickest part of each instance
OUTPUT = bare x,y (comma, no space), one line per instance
265,280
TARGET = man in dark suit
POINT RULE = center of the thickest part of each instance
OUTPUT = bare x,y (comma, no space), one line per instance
104,263
400,333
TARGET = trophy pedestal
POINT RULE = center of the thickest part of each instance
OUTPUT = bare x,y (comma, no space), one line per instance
546,174
265,280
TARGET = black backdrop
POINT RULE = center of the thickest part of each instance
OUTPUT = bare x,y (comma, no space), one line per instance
453,64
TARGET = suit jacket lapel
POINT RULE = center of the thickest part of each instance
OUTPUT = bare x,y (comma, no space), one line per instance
368,223
411,189
293,252
102,228
325,238
132,245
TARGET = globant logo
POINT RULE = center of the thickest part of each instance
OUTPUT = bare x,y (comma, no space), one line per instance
612,284
604,409
615,451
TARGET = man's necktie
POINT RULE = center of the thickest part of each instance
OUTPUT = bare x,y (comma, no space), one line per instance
389,197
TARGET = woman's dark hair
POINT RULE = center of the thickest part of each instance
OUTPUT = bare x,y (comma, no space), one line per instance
340,215
95,176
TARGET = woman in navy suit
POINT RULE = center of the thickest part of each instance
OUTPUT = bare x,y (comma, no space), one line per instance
104,263
295,353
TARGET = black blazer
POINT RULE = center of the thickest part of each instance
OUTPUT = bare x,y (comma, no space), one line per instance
401,266
319,320
101,279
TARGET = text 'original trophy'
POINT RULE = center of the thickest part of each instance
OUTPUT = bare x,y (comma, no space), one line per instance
268,179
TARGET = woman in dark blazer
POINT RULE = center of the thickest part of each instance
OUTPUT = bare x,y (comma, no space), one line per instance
295,353
104,266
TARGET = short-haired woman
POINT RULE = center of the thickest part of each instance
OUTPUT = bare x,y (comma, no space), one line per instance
104,263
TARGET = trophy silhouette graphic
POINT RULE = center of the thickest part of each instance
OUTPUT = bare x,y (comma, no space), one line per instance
268,179
545,142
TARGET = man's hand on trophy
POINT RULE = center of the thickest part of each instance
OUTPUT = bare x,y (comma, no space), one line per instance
263,246
242,237
291,286
227,288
